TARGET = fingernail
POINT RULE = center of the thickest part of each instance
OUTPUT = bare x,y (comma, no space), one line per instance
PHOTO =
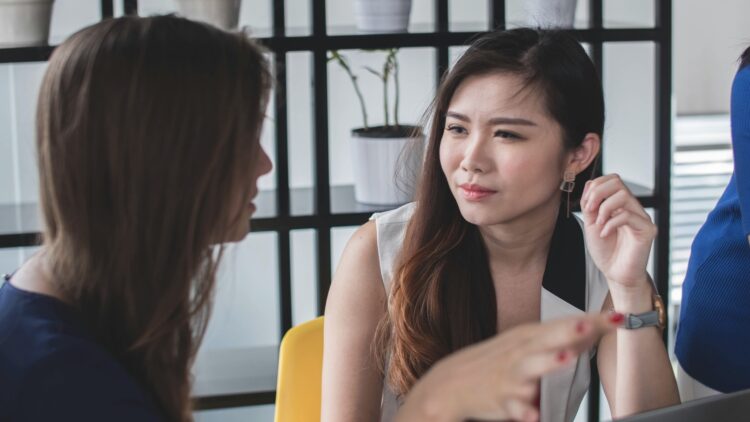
581,327
617,318
562,356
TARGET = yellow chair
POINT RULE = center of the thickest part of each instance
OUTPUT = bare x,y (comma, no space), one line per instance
300,373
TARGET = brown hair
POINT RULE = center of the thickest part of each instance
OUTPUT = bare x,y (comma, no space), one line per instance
442,297
146,128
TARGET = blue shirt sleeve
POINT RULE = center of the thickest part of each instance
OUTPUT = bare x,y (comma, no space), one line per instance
740,120
83,388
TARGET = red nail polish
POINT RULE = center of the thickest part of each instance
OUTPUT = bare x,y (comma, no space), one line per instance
581,327
617,318
562,356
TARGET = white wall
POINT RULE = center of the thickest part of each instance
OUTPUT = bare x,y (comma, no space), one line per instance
709,36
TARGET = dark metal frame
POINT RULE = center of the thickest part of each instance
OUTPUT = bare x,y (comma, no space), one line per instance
323,220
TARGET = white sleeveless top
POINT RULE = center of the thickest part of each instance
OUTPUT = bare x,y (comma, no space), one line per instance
561,392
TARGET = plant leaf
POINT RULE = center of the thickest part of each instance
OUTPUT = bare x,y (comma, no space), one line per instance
374,72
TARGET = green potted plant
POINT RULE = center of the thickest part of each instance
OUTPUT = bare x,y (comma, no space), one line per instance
385,158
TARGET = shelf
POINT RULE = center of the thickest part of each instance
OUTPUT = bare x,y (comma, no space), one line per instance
20,223
235,377
26,54
414,28
372,41
302,203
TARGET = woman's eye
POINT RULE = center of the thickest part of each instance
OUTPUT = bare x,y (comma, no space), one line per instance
457,130
507,135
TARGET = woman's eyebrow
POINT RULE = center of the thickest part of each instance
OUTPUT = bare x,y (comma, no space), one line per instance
494,120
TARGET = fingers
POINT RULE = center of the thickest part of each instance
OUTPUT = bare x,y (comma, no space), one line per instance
595,191
519,410
535,366
620,200
624,218
606,194
577,333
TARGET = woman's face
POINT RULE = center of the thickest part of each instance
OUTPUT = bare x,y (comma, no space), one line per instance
501,153
245,205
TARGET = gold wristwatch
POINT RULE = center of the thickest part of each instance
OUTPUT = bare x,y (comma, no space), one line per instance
655,318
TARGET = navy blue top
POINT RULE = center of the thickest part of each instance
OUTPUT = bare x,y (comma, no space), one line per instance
51,369
713,339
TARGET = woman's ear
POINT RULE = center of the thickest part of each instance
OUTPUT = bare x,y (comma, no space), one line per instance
583,155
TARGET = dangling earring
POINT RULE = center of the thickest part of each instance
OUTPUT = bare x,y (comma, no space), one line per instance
567,185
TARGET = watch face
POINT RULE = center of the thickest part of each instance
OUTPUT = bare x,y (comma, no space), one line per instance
659,307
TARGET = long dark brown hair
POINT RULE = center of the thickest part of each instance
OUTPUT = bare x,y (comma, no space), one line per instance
443,298
146,129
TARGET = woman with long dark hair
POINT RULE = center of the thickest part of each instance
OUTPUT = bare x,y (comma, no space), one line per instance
148,150
490,243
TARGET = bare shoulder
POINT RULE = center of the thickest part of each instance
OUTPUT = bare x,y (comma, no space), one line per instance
352,383
357,276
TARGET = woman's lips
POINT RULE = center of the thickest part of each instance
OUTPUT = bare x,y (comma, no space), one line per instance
473,192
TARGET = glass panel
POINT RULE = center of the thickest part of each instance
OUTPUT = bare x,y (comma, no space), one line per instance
587,47
11,259
629,92
341,19
417,84
455,53
246,307
304,276
300,132
266,200
531,13
629,13
19,83
239,353
8,143
70,16
257,17
298,17
468,15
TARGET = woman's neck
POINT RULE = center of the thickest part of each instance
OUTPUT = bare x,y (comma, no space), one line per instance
523,242
34,277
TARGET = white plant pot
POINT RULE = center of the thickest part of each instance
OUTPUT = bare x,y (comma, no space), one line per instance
375,16
386,169
550,13
224,14
24,22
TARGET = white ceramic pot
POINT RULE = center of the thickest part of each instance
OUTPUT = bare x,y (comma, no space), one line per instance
386,169
550,13
24,22
374,16
224,14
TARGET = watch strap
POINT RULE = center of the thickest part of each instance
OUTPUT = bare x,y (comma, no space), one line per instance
646,319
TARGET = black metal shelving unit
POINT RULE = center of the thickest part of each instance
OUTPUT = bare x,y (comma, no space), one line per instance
325,207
